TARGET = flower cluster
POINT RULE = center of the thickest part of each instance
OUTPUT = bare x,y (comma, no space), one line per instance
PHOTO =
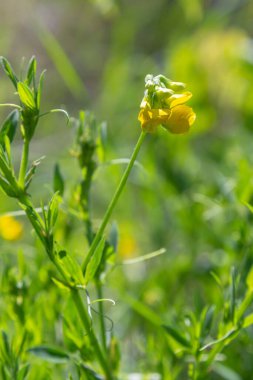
164,104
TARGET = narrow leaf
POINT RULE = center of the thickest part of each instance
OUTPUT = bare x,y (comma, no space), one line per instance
52,212
62,63
60,284
175,334
23,371
9,126
9,71
232,294
7,188
50,354
31,71
39,90
92,375
32,171
26,96
94,262
225,372
58,180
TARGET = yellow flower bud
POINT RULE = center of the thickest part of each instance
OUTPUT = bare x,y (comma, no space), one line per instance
10,229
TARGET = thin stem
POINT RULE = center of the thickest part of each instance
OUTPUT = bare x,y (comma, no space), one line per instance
24,163
114,200
101,314
86,323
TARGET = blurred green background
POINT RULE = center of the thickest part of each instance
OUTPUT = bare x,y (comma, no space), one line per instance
190,194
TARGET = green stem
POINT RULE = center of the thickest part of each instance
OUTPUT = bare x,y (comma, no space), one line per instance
114,201
24,163
101,314
86,323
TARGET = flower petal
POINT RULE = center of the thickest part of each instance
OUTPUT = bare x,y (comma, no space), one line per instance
151,118
181,119
178,99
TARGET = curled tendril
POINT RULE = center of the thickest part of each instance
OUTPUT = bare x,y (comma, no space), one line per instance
110,328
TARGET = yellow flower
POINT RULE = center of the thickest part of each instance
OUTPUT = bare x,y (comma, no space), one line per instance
10,229
164,104
181,119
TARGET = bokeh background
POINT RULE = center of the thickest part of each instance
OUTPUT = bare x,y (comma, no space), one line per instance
189,195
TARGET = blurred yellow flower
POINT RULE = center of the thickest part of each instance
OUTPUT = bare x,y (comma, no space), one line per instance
164,104
10,228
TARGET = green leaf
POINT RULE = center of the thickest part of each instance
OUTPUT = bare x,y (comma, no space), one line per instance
69,267
23,371
175,334
63,64
7,188
32,171
114,353
58,180
26,96
248,321
39,90
249,280
9,71
225,372
207,319
9,126
6,345
50,353
60,284
92,375
94,262
232,294
52,212
31,71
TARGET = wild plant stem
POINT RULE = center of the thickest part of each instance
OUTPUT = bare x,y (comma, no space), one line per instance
101,314
114,201
86,323
24,163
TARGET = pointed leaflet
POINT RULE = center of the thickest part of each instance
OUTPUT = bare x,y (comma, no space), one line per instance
50,353
9,126
7,188
52,212
175,334
31,71
60,284
9,71
58,180
39,90
94,262
31,171
26,96
23,371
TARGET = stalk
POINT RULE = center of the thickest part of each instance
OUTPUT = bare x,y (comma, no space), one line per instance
114,201
86,323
